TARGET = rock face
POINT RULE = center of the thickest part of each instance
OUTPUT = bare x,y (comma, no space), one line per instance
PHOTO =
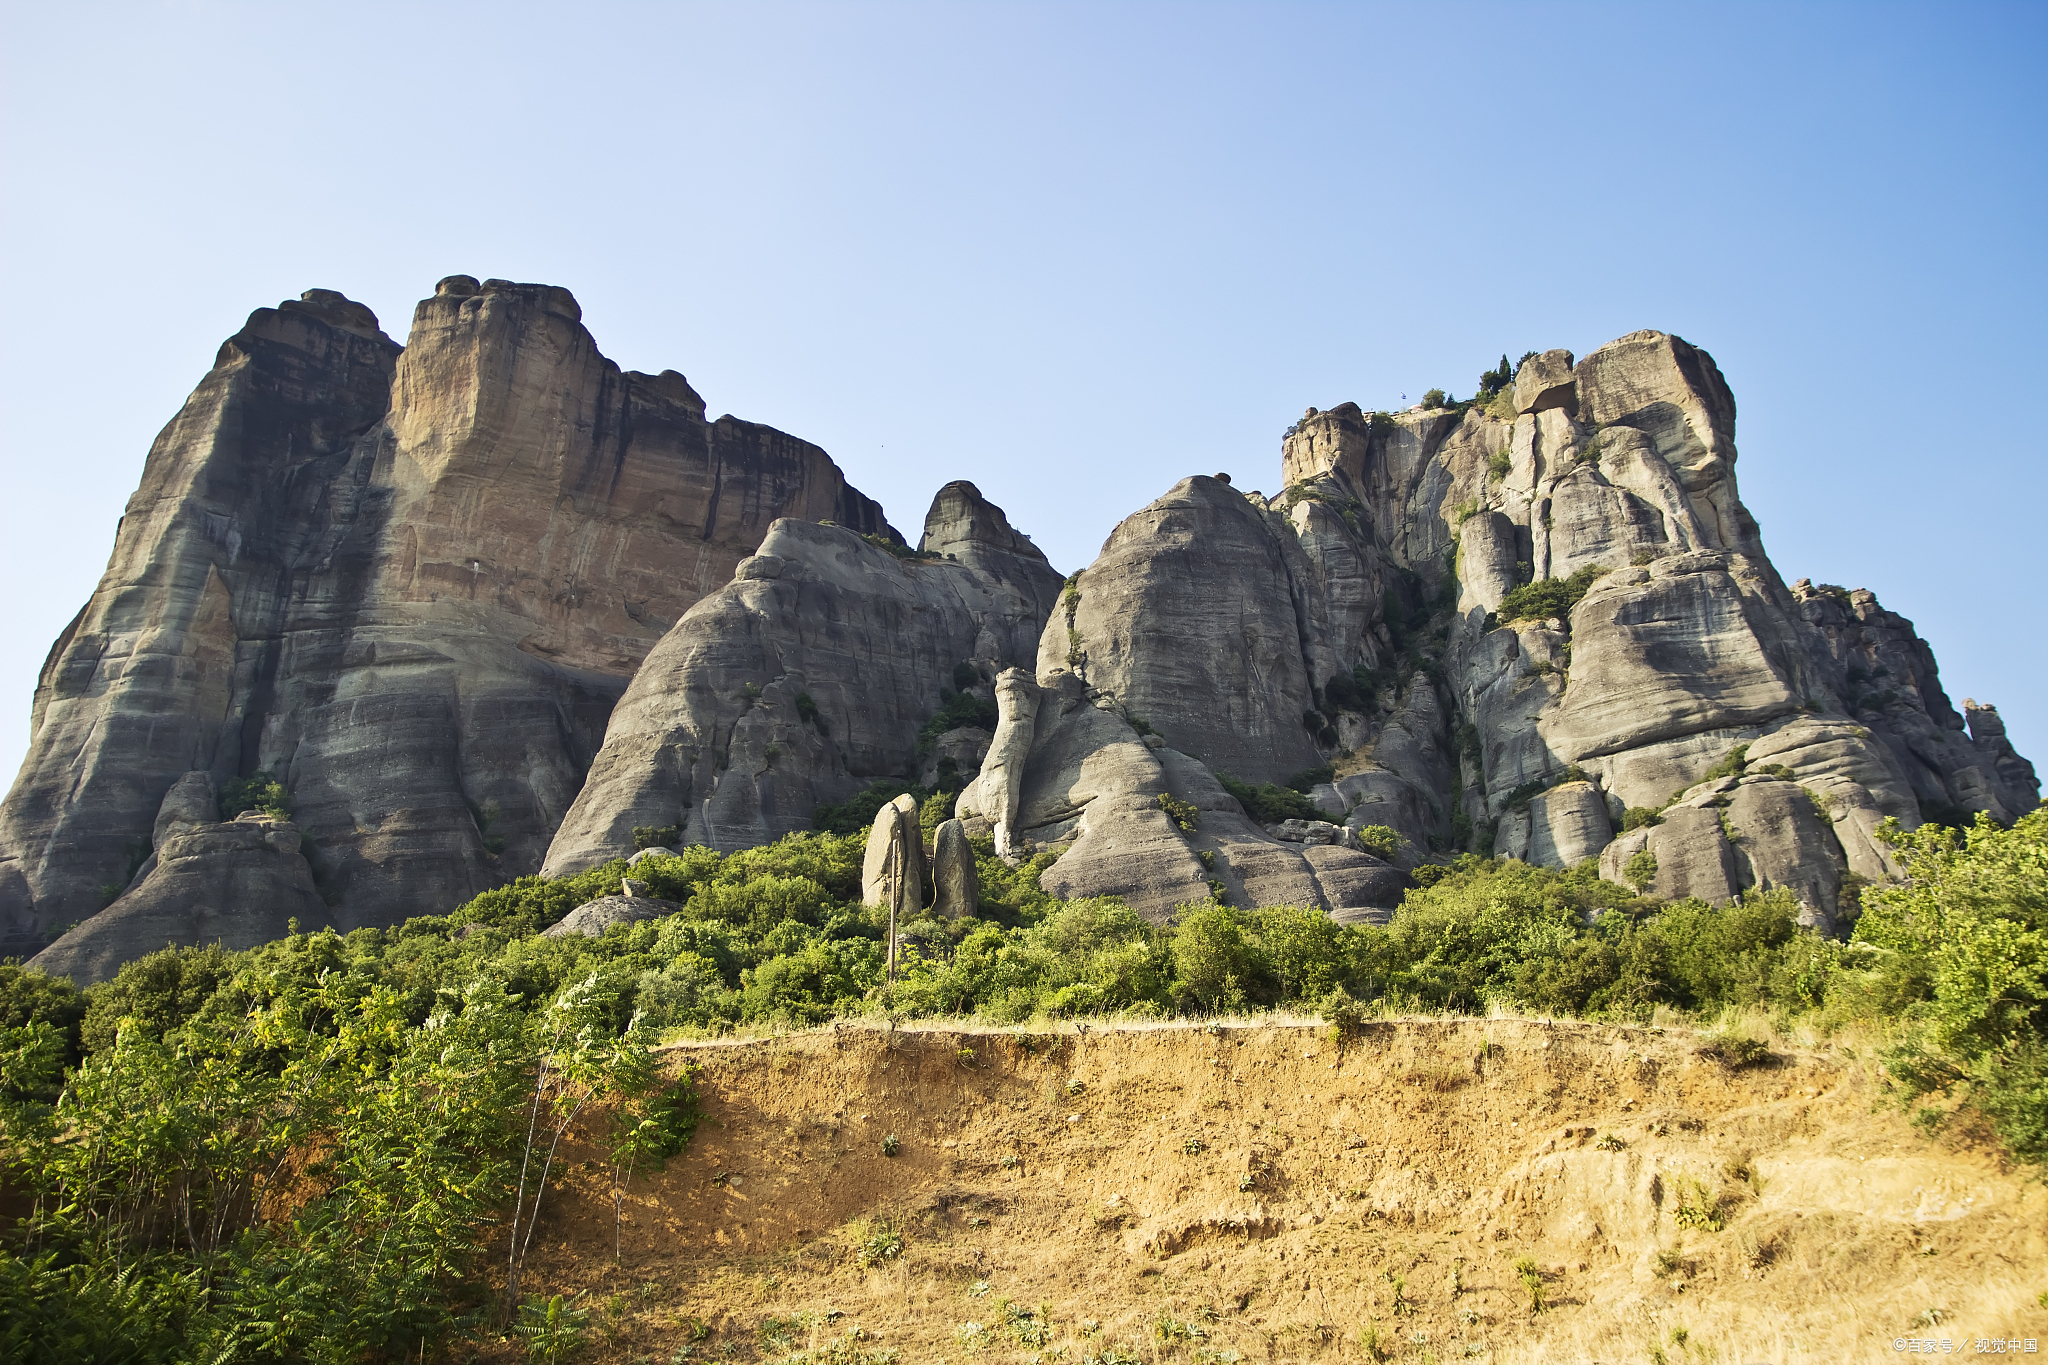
1683,653
237,884
488,596
409,583
806,677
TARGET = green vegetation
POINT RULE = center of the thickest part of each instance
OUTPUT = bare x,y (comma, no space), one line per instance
1380,841
1183,813
956,709
655,836
258,791
1966,939
413,1079
1640,870
1268,804
1436,398
1547,597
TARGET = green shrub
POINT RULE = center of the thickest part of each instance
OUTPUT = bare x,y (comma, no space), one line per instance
956,710
1970,918
1267,804
1308,779
1185,814
1640,870
1732,764
1548,597
1435,398
258,791
1380,841
1640,817
29,996
856,814
654,836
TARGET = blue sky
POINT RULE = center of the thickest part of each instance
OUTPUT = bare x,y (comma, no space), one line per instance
1075,252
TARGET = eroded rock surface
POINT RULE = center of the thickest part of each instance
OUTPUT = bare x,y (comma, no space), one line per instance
806,677
410,583
415,586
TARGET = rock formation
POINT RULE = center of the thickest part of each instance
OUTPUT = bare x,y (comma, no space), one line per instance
486,604
892,873
1685,654
956,885
806,677
410,583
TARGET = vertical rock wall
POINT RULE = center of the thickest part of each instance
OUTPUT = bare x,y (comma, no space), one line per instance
411,584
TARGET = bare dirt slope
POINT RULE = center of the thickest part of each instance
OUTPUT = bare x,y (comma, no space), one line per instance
1252,1192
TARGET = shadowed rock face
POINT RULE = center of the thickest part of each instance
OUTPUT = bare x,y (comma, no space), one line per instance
411,584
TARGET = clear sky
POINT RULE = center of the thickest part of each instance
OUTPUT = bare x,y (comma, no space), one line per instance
1076,252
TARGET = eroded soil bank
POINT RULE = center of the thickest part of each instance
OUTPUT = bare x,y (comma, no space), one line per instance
1191,1192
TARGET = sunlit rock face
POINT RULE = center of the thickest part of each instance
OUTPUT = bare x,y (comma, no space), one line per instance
410,583
488,605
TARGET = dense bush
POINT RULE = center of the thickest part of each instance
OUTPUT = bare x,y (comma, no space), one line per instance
258,791
1268,804
1547,597
1969,928
956,709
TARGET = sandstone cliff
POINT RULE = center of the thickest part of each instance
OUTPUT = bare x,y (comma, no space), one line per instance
807,676
410,583
413,585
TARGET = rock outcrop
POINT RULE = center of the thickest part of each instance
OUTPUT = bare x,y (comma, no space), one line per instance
806,677
488,596
1664,646
238,884
410,583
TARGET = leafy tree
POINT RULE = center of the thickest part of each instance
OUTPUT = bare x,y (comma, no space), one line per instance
1970,913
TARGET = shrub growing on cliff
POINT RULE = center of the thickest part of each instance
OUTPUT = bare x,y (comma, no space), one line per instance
258,791
1548,597
1269,804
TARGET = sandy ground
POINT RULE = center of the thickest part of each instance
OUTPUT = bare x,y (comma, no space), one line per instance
1253,1192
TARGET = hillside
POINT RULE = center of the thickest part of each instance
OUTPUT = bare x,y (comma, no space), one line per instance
1249,1190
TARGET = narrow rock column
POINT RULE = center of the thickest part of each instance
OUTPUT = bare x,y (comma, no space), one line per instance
1000,788
956,887
895,832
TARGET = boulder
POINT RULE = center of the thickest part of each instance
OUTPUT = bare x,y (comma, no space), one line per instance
1693,856
1567,825
1783,840
956,885
893,870
592,918
1545,381
238,884
190,803
1189,619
